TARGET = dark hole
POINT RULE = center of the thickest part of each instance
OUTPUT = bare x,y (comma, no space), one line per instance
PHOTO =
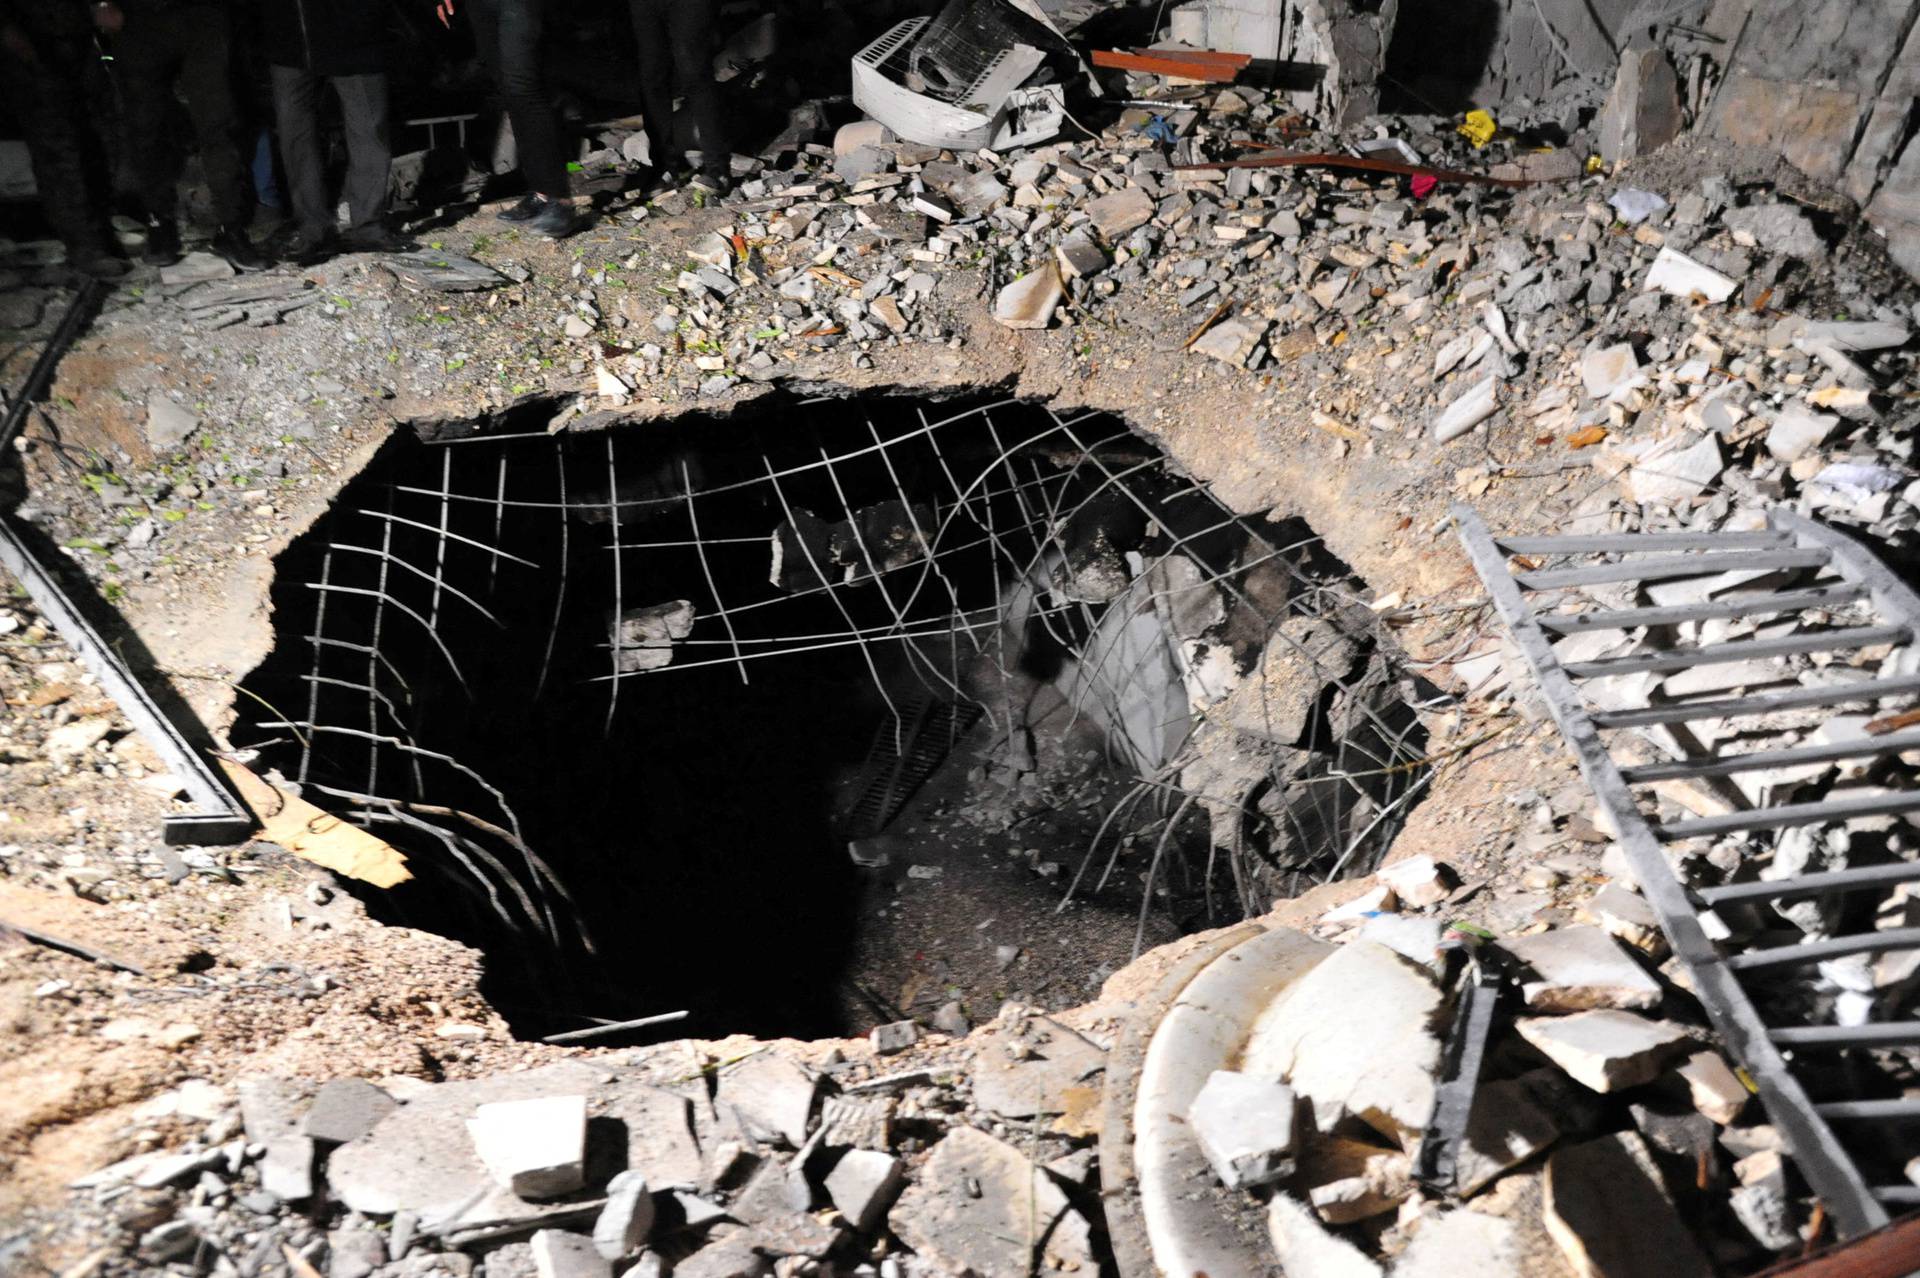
664,823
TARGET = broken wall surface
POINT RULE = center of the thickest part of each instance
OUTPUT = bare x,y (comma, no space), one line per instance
1495,53
1830,85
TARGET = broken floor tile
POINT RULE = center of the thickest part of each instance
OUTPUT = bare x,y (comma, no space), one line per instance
1605,1049
1459,1243
1577,968
979,1206
1715,1089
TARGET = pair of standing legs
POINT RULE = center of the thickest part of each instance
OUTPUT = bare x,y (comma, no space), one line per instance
189,44
677,40
507,35
46,91
363,110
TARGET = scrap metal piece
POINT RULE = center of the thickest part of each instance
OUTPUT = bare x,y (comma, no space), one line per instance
217,817
1482,981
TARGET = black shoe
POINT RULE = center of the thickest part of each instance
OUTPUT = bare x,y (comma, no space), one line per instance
526,210
715,182
555,219
302,248
232,243
163,242
375,239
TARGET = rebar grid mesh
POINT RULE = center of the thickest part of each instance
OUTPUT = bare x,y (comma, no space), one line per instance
528,566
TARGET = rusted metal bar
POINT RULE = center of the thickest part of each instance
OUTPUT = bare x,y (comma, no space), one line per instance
1331,160
1188,64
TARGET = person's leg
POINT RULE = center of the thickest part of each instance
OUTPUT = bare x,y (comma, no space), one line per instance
296,108
143,61
656,80
46,99
204,36
513,34
363,107
692,32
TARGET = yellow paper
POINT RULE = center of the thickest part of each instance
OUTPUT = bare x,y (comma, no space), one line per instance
318,836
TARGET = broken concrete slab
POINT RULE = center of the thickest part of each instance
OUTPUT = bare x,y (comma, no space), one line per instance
623,1224
1678,275
1463,1242
1121,212
1232,341
1245,1125
1642,112
537,1148
1303,1245
197,267
346,1109
1030,301
1027,1068
1672,472
559,1254
660,1140
1715,1089
1577,968
1777,228
1625,915
1417,880
981,1207
421,1157
1603,370
773,1191
1605,1049
772,1095
1504,1129
863,1184
271,1110
1469,409
169,425
1608,1211
1355,1038
895,1036
1798,430
1303,655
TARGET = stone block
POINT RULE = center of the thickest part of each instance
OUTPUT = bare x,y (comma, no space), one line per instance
1124,210
559,1254
623,1224
772,1095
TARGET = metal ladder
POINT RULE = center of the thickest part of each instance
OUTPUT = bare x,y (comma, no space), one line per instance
1722,975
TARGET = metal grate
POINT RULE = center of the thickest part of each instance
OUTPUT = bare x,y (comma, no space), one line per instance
903,757
1792,570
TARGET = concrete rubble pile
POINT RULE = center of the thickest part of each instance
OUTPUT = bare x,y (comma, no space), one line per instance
948,1157
1601,1101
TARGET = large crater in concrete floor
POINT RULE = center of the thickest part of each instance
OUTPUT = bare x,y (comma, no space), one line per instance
813,717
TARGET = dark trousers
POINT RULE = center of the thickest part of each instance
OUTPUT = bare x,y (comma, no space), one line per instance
507,34
363,110
677,42
47,95
190,44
